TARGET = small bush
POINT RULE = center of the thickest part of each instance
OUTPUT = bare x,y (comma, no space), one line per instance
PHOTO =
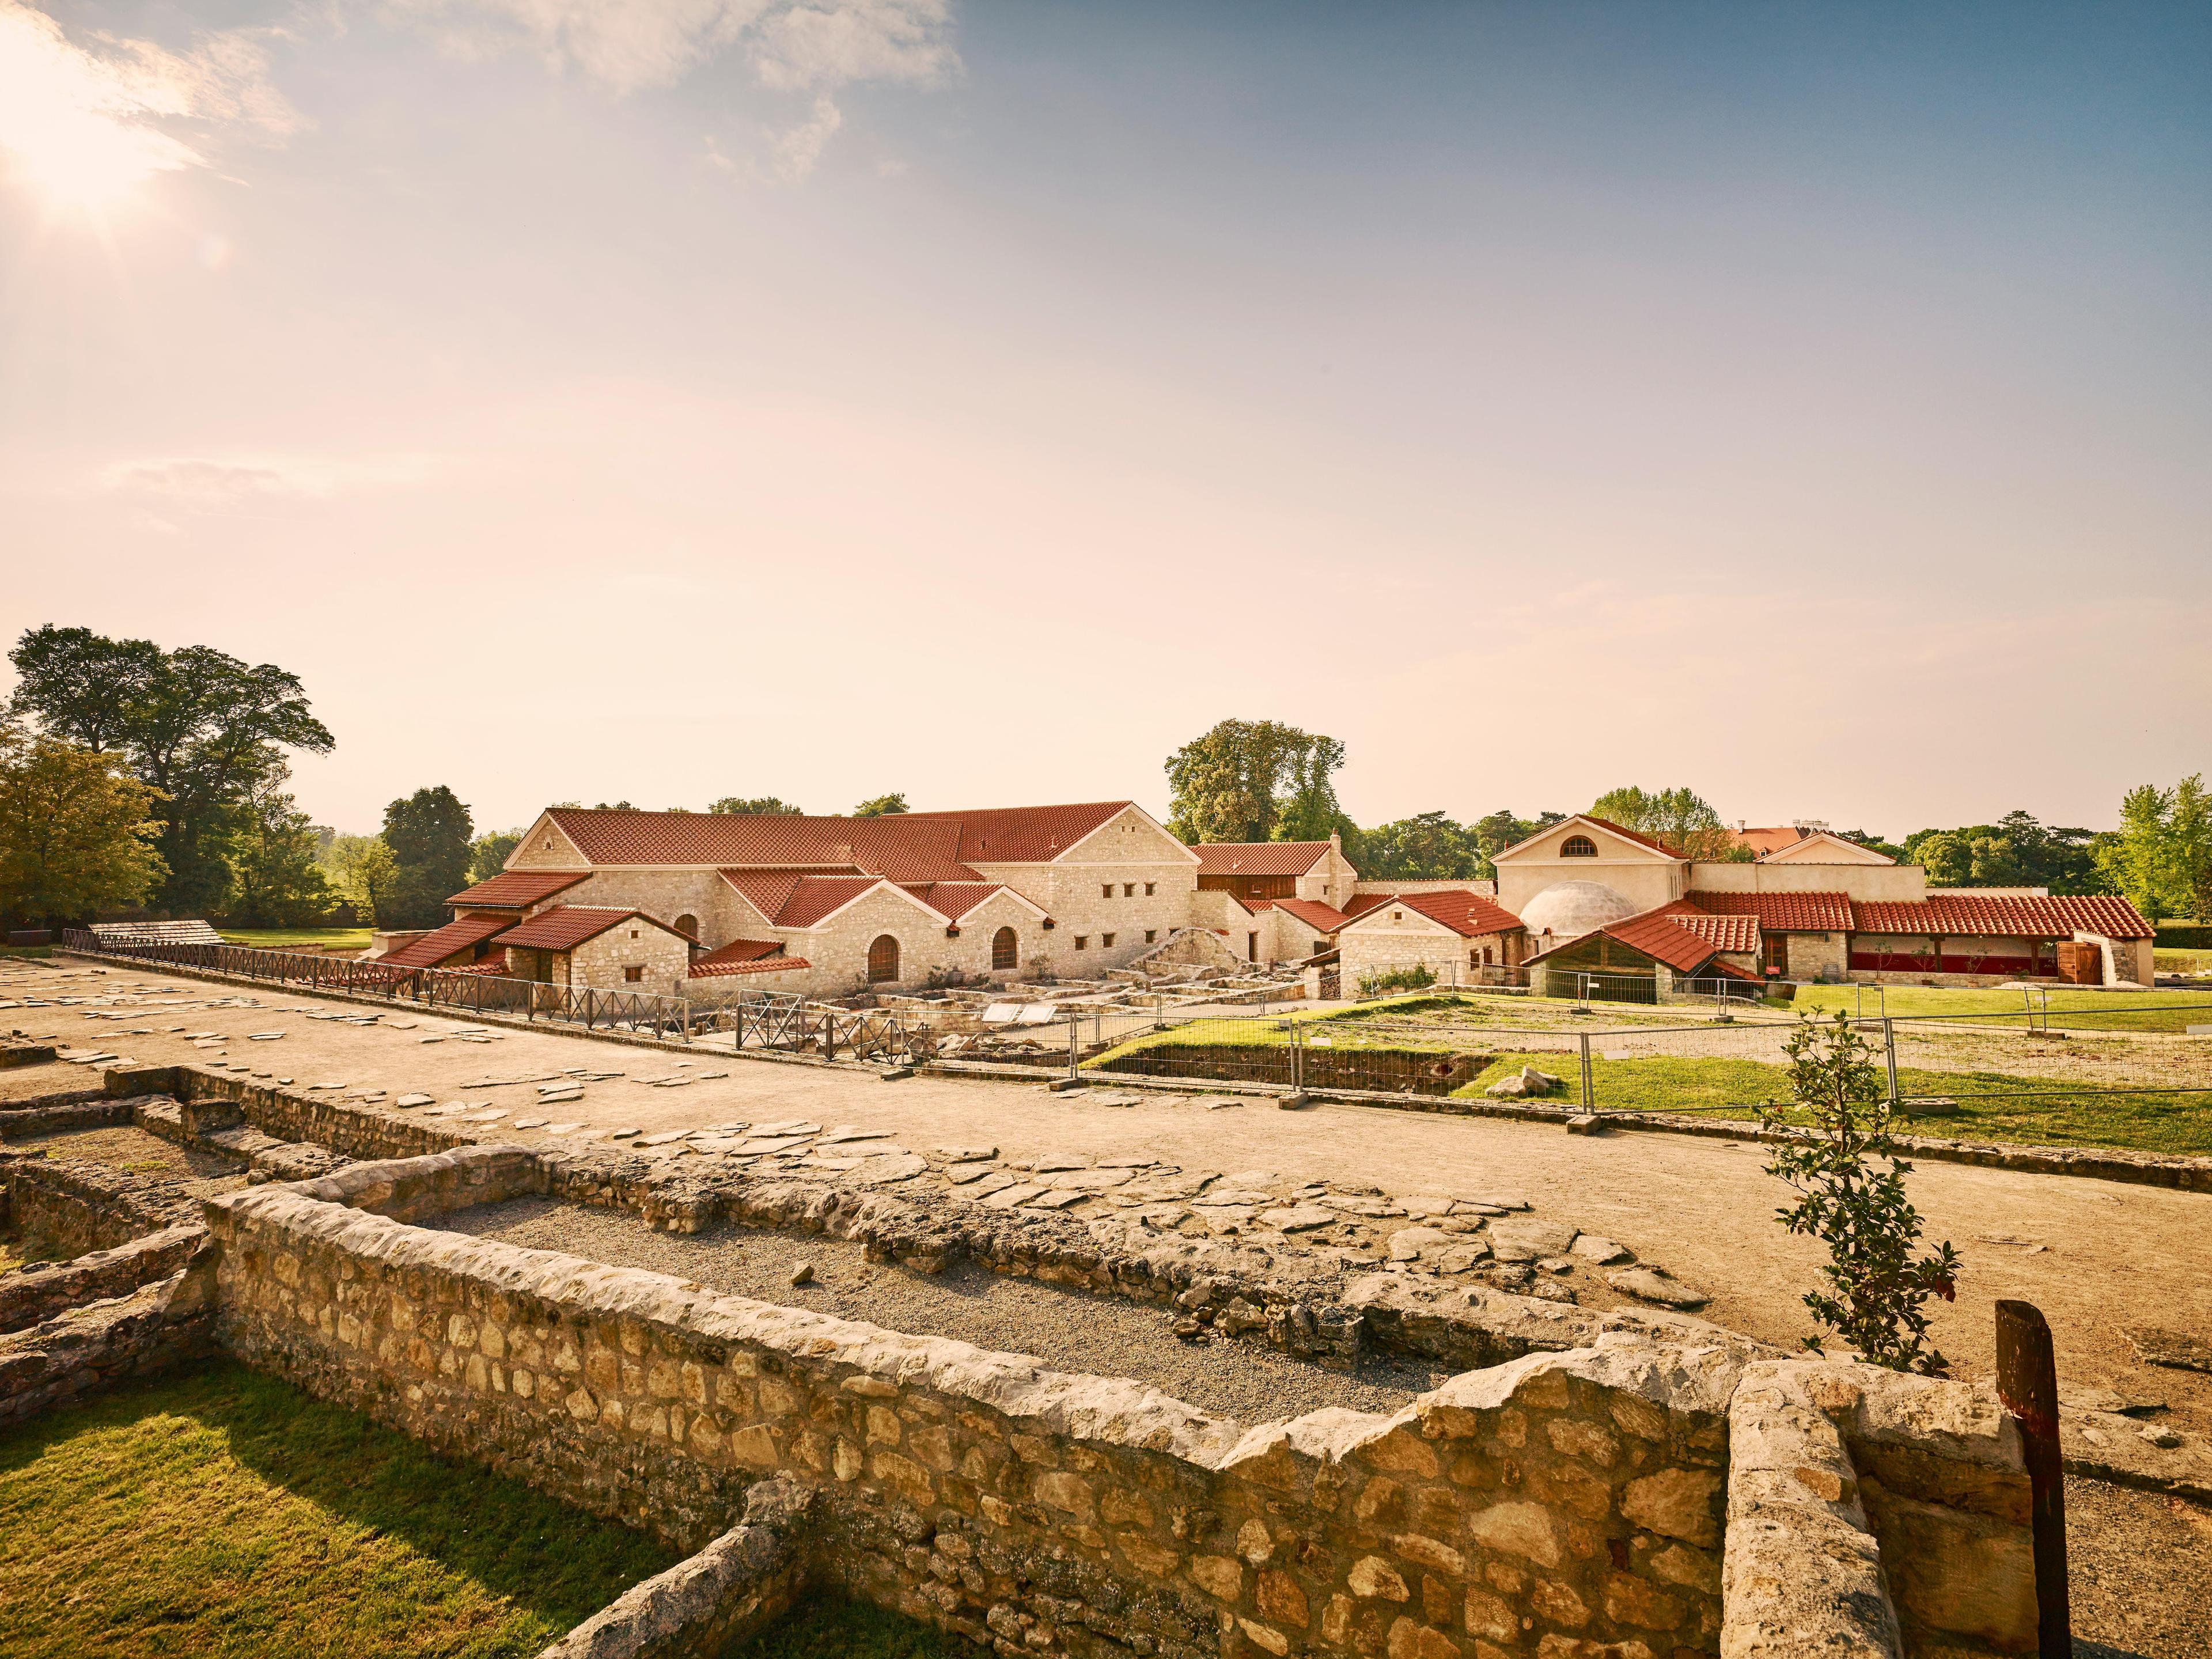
1395,979
1878,1290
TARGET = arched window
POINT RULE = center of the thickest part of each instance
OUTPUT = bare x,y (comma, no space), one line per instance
883,960
1003,950
688,925
1577,846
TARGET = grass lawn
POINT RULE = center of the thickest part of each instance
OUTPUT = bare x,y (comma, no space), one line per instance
2094,1010
1729,1088
33,951
278,939
223,1512
2173,960
853,1630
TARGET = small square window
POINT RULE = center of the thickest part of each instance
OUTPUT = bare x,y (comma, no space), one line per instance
1397,915
633,975
633,932
1106,890
1105,941
1151,934
1128,890
1150,888
1083,941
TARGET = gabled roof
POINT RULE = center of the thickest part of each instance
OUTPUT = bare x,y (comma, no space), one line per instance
433,948
1321,918
1023,834
907,846
1737,932
565,927
517,890
954,899
1676,934
1781,913
1468,914
1258,858
1607,824
797,898
1772,839
745,956
1968,915
1360,903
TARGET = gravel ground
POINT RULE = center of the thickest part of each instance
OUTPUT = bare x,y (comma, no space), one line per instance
1065,1330
125,1147
2138,1566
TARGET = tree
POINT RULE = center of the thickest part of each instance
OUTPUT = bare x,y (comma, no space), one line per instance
1500,830
1255,781
77,832
882,806
1428,846
2016,851
429,833
1679,818
1877,1290
764,806
362,871
203,728
489,852
2161,857
276,878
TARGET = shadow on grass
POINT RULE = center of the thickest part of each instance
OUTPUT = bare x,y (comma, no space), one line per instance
832,1628
222,1511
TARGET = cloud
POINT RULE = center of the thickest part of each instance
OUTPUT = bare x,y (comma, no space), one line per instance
798,149
82,121
196,482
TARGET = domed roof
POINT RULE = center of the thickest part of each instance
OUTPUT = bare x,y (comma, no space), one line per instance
1568,909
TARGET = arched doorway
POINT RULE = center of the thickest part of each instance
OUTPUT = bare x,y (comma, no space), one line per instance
688,925
1003,948
883,960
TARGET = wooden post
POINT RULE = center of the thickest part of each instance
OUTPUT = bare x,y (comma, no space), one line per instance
2028,1382
1589,1082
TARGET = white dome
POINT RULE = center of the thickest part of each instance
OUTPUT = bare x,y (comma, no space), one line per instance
1568,909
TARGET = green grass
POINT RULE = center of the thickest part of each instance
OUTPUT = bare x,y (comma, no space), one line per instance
2173,960
223,1513
853,1630
2103,1011
267,938
31,950
1730,1088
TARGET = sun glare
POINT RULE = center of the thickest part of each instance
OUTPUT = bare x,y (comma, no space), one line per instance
72,127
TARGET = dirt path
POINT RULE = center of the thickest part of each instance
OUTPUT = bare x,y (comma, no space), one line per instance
2094,1255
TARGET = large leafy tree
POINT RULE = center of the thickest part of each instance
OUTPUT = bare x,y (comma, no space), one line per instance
362,871
274,853
489,852
1681,817
1255,780
203,728
768,806
882,806
2161,857
1428,846
429,833
1500,830
77,831
2016,851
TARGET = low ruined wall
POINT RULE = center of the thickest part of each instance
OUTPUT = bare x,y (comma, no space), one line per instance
1573,1495
354,1129
88,1350
32,1294
1415,1071
63,1206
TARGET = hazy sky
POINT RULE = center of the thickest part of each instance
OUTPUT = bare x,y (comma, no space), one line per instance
673,398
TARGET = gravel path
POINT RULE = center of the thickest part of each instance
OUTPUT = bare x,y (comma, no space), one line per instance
123,1146
1065,1330
2137,1572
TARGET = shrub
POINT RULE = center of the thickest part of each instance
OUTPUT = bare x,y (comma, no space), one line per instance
1877,1290
1383,983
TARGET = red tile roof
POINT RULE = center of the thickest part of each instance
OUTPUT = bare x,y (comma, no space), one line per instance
565,927
1968,914
1662,935
1468,914
1016,835
453,939
910,847
517,890
1771,840
954,899
744,956
1321,918
1360,903
1738,933
1657,846
1258,858
813,897
1781,912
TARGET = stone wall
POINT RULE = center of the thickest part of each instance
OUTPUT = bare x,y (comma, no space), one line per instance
64,1206
663,959
89,1349
1561,1500
39,1291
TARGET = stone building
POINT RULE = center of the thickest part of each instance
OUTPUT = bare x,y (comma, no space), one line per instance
1454,934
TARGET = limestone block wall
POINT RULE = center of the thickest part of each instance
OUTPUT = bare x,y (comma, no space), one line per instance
87,1350
1076,895
662,960
63,1207
1378,942
1561,1500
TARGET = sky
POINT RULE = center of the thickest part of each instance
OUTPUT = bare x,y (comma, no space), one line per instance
665,399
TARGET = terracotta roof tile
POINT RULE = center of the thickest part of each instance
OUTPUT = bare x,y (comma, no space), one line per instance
1360,903
1781,912
517,890
1660,935
1468,914
744,956
954,899
910,847
567,926
453,937
1258,858
1656,845
1322,918
765,965
1736,933
1770,840
1016,835
1969,915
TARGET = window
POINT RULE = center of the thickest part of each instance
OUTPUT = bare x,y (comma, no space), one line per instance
1083,941
1397,915
633,932
1003,948
688,925
1150,888
1106,890
1485,956
1577,846
1105,941
883,960
633,975
1151,934
1251,947
1128,890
